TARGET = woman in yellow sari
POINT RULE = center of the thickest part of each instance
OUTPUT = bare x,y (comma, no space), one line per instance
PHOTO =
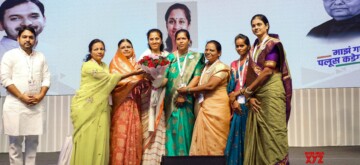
90,110
126,130
212,123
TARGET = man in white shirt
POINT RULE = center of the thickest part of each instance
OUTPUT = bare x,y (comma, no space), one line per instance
25,75
15,14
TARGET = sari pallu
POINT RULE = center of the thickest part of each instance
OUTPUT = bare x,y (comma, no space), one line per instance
234,151
212,123
125,130
266,131
180,121
153,141
90,114
255,68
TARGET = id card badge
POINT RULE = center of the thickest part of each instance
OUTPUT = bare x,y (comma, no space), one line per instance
32,88
201,98
241,99
182,85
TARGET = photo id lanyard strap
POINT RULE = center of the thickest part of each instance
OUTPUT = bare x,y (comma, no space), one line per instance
261,48
206,69
30,66
241,73
181,69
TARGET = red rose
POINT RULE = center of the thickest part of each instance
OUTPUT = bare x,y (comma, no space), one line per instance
156,62
146,57
166,62
151,64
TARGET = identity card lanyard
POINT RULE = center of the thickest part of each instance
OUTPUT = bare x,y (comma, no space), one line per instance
182,69
261,48
30,65
206,70
241,74
32,85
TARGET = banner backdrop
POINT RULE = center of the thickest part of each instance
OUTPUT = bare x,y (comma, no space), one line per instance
327,57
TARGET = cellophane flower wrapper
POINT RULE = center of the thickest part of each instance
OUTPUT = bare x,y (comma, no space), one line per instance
156,67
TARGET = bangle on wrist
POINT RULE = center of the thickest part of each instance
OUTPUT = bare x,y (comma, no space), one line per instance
247,91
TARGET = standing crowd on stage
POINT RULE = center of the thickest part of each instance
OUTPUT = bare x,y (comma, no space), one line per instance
192,108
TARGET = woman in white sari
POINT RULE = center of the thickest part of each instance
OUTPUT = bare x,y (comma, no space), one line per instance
153,115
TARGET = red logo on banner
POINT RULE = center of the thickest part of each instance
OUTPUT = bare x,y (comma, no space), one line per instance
311,157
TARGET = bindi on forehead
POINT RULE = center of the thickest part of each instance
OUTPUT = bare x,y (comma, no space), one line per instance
174,18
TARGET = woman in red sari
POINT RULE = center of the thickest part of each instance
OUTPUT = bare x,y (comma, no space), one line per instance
125,130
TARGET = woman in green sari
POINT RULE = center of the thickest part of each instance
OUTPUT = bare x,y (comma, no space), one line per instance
268,91
90,111
184,71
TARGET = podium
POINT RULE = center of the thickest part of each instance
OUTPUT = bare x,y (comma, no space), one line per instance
193,160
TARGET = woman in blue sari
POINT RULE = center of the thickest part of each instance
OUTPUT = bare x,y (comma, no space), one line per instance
234,151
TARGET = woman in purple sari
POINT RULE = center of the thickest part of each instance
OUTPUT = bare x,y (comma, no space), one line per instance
268,92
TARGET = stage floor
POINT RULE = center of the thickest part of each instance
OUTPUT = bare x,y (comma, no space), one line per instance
348,155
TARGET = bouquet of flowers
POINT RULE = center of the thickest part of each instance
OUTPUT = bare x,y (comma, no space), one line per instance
155,66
